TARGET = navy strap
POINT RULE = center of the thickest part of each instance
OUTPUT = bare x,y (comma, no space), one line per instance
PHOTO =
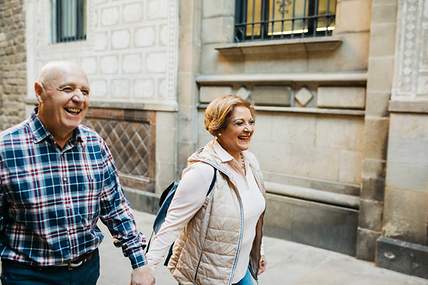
212,182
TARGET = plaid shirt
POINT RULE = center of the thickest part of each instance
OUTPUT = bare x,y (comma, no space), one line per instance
51,199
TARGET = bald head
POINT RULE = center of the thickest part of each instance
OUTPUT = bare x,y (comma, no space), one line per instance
52,70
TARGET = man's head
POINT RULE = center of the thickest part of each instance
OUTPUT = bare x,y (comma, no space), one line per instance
62,91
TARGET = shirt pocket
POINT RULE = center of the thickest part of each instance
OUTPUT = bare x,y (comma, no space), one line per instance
86,195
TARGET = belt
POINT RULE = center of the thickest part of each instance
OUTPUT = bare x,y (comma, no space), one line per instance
70,265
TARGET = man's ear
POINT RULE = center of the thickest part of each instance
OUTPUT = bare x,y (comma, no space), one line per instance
38,89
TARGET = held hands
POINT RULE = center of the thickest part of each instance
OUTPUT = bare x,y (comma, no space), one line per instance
262,265
143,276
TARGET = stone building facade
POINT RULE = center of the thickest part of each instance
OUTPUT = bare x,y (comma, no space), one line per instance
13,62
341,119
403,245
130,56
341,123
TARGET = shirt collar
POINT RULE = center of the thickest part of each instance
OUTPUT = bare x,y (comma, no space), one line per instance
221,152
40,132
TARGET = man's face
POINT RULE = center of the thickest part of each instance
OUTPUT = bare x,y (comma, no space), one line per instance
64,101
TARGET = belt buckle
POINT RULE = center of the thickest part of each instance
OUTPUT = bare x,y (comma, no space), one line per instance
73,265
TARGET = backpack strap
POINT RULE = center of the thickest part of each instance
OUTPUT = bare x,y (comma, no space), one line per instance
213,181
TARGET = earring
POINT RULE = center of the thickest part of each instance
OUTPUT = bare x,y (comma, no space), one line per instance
219,134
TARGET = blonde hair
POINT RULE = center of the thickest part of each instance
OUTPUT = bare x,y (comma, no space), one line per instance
219,111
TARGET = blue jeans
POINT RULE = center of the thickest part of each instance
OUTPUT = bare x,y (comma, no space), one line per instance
20,274
247,279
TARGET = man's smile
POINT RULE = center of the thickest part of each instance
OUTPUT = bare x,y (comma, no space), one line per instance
73,110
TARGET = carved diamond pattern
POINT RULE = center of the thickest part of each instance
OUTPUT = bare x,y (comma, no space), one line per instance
303,97
129,143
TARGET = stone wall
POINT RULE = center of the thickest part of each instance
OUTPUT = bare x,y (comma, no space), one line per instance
403,245
130,56
379,84
13,63
411,72
352,27
318,143
407,162
288,76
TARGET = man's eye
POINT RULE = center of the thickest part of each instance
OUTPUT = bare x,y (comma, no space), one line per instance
67,89
252,122
85,92
239,123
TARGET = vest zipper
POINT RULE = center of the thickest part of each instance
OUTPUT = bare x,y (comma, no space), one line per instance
240,236
197,267
203,245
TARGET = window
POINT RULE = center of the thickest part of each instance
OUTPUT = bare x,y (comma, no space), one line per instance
68,20
276,19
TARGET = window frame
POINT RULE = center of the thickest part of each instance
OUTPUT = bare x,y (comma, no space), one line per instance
241,25
78,14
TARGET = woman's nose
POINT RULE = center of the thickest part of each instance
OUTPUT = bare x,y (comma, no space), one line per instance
248,129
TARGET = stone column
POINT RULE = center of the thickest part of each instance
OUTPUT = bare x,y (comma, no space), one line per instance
189,62
379,83
404,243
13,63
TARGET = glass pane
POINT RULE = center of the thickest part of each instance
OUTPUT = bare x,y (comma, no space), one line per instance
254,16
68,14
83,20
326,12
288,16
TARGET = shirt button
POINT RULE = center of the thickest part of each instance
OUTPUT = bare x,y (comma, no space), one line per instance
64,179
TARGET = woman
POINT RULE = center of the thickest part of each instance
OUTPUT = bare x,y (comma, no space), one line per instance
217,236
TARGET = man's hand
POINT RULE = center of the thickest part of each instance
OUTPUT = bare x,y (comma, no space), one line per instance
143,276
262,265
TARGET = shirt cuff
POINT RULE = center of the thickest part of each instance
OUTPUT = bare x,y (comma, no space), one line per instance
137,259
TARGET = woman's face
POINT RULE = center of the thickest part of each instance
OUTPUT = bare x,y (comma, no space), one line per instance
239,130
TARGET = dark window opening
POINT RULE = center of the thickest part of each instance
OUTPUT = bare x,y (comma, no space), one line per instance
278,19
69,20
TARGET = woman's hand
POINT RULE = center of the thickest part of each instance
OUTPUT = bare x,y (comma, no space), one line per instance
262,265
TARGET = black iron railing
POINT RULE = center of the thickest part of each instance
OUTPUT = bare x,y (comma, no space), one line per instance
69,20
276,19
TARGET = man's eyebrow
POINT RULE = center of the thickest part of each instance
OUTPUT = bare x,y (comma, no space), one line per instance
71,84
67,84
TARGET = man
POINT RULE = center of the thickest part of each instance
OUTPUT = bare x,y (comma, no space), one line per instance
57,179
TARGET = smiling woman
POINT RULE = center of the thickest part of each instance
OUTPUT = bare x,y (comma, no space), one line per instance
226,224
232,123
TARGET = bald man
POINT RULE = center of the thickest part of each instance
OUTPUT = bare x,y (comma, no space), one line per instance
57,179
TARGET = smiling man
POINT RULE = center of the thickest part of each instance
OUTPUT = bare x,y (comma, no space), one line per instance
57,179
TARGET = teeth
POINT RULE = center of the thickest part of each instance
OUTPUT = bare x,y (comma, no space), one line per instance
73,110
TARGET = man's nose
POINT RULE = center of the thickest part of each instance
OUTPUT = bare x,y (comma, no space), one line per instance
78,96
